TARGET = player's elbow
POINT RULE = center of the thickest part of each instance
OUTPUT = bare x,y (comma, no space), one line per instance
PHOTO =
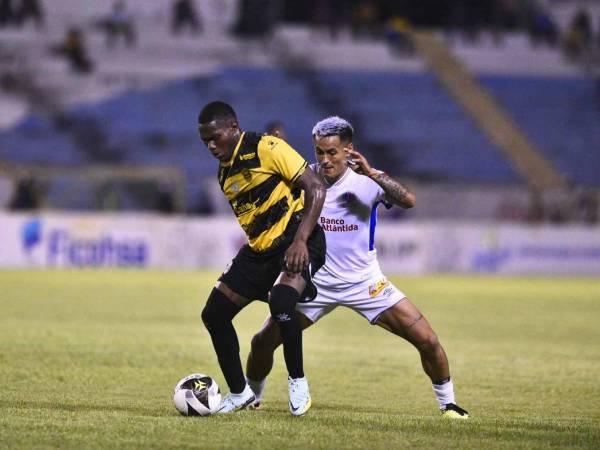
410,201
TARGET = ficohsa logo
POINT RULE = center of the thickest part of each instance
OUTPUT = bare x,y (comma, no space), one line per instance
63,249
31,234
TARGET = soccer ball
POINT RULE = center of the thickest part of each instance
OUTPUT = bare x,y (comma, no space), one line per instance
197,395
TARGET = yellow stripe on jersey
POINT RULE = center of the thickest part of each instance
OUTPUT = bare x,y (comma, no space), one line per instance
258,182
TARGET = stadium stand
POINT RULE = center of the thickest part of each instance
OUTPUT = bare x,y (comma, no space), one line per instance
498,126
406,121
562,115
139,105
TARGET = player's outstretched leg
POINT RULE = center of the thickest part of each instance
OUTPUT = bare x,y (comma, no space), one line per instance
217,316
406,321
260,358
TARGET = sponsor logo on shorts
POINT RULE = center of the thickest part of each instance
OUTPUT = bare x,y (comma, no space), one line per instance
375,289
388,291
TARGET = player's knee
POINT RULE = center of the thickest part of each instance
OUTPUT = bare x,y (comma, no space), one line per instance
282,302
218,311
429,344
208,317
257,342
266,339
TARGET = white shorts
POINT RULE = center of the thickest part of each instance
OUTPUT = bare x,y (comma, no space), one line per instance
369,298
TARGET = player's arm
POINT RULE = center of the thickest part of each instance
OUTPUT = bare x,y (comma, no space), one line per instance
296,256
285,161
395,192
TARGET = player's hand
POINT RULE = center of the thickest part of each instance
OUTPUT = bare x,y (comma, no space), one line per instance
296,257
361,165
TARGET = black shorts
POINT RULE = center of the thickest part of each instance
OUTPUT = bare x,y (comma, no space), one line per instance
252,274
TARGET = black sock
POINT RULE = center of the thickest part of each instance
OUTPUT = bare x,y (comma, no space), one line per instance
440,382
217,316
282,304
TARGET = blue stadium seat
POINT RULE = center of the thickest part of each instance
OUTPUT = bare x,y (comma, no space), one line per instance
562,116
406,123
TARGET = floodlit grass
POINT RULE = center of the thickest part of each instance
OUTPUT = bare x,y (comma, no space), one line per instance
88,359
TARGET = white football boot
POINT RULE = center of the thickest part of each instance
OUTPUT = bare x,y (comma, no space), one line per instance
235,402
258,387
300,401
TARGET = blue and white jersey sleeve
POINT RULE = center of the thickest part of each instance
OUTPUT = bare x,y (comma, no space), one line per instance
381,198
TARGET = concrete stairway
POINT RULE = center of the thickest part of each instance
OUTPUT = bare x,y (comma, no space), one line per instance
496,123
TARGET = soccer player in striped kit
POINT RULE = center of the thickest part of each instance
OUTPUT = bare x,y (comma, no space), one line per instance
351,275
263,178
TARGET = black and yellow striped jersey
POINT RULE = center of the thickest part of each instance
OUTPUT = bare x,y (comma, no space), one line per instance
258,182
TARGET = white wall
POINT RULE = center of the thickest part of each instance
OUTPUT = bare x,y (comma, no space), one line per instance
149,241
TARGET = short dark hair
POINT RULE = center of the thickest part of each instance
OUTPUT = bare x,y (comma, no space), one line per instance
334,126
274,126
215,111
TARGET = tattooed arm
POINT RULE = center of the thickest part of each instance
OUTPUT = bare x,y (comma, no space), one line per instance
395,192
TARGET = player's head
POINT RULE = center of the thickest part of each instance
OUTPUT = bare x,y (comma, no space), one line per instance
332,138
219,129
276,128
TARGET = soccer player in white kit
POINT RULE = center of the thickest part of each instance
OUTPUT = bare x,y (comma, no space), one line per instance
351,276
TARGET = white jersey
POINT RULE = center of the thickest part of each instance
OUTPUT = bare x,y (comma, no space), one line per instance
348,218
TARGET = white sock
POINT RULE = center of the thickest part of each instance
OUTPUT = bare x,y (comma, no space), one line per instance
444,393
257,387
245,393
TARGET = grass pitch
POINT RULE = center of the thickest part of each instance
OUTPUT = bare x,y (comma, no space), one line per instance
88,359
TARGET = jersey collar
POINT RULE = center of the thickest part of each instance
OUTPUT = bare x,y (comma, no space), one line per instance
233,155
341,179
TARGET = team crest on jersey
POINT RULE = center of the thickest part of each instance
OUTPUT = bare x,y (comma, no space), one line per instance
375,289
247,175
